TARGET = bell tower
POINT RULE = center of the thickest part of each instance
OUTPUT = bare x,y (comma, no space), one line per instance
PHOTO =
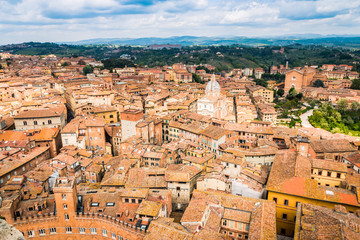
65,198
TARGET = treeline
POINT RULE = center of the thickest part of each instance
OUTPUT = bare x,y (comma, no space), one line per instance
222,57
344,119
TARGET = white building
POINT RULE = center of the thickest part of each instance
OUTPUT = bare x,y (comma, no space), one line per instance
213,103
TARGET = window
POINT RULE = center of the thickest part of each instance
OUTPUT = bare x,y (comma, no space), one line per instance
68,229
95,204
275,199
110,204
113,235
177,188
41,231
297,204
66,141
104,232
338,175
49,122
329,174
320,173
35,123
23,168
66,217
93,230
31,233
225,222
133,201
82,230
284,216
126,200
286,202
25,123
52,230
232,224
65,206
64,196
120,238
283,231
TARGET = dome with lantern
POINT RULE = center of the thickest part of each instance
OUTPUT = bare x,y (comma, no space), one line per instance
213,87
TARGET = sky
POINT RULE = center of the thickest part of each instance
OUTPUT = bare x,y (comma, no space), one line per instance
73,20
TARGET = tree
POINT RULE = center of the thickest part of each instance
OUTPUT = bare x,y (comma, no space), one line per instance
299,96
261,82
87,69
292,94
117,63
343,104
280,92
196,78
355,84
203,68
81,62
355,106
65,64
318,83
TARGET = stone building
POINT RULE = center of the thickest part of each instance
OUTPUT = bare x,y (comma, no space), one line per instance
129,118
213,103
40,118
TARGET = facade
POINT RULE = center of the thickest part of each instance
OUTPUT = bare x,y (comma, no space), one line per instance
213,103
129,118
41,118
260,91
72,218
299,79
85,133
16,162
181,181
301,182
46,137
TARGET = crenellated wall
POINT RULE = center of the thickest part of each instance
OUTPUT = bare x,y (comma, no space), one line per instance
114,227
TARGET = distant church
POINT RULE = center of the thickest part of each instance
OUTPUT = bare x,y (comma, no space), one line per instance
213,103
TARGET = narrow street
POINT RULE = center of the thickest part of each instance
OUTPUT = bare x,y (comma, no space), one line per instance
305,120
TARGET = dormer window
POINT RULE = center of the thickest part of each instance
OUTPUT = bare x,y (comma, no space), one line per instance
110,204
95,204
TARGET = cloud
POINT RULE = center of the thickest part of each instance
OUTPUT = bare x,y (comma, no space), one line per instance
69,20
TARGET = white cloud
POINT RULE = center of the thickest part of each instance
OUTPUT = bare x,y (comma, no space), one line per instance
69,20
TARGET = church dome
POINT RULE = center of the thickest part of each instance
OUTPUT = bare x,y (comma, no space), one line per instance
213,86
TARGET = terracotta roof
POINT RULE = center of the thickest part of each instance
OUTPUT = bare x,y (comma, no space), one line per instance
332,146
146,178
149,208
315,222
214,132
291,174
38,113
135,193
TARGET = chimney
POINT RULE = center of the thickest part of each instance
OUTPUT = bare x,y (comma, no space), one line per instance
340,209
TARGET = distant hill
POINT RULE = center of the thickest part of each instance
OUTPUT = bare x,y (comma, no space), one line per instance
304,39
